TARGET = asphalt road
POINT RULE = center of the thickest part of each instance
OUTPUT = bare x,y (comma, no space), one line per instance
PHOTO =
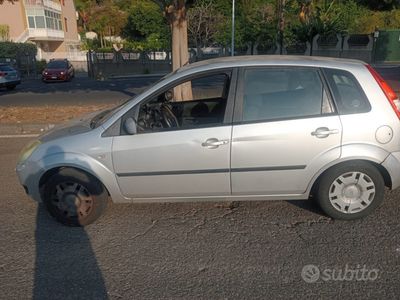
80,91
194,250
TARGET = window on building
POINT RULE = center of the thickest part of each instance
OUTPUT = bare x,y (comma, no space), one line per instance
44,19
40,22
31,21
66,24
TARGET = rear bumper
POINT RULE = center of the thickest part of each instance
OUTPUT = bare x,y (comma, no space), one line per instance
392,165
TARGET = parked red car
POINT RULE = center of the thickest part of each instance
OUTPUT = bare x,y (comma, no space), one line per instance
58,70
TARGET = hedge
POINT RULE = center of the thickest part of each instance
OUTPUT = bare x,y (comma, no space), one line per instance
14,50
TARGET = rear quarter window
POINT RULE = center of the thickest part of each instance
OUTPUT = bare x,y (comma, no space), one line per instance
348,95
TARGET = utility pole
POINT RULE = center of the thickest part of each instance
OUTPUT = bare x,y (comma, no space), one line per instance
233,29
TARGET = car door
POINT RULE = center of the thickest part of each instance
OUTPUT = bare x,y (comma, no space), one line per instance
191,159
286,129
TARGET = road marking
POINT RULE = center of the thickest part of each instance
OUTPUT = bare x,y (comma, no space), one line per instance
15,136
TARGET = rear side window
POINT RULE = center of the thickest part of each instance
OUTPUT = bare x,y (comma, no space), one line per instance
283,93
347,92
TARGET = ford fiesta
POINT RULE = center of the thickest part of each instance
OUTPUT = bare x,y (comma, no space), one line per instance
244,128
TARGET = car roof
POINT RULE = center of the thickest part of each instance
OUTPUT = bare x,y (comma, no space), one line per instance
272,60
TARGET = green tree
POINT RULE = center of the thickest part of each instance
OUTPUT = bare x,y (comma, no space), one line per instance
145,23
4,32
258,22
204,21
106,19
318,17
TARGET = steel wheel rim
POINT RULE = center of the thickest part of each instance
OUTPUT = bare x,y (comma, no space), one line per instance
352,192
72,200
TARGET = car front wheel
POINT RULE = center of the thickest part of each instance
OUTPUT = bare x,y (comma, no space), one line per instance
74,198
350,190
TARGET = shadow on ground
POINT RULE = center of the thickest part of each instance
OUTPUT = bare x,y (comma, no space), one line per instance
65,265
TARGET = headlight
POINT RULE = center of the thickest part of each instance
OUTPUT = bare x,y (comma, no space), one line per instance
62,73
28,150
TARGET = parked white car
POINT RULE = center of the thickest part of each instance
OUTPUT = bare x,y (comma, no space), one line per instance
9,77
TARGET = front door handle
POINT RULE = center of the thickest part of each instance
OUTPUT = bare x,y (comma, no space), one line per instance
323,132
214,143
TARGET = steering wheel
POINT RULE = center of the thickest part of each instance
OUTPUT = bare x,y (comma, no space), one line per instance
168,116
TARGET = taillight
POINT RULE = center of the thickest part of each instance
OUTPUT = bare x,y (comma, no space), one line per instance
390,94
2,74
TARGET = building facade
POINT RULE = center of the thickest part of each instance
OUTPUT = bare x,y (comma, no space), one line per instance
50,24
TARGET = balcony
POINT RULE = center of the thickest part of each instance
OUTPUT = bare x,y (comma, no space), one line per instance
44,34
54,5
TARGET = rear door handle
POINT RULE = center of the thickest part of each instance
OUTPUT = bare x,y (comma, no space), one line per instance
323,132
214,143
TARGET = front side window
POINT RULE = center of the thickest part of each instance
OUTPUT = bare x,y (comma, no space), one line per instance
283,93
200,102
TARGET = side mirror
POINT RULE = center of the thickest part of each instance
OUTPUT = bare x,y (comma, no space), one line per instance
130,126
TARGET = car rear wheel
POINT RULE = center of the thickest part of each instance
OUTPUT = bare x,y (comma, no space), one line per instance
351,190
74,198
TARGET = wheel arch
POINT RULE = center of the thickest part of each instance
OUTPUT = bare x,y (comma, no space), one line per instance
382,170
52,171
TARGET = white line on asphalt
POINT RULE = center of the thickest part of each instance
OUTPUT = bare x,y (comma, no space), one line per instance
15,136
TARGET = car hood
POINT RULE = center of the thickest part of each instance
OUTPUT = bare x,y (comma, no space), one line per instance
55,71
73,127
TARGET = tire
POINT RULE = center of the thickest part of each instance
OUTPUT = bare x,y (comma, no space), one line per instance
74,198
350,190
10,87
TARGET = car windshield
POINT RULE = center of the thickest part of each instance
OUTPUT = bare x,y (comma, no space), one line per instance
57,65
104,115
6,68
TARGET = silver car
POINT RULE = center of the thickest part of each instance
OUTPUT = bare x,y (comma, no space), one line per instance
243,128
9,77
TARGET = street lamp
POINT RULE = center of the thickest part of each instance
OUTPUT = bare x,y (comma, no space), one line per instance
233,29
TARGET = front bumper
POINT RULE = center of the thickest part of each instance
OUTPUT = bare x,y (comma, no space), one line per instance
54,77
29,175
